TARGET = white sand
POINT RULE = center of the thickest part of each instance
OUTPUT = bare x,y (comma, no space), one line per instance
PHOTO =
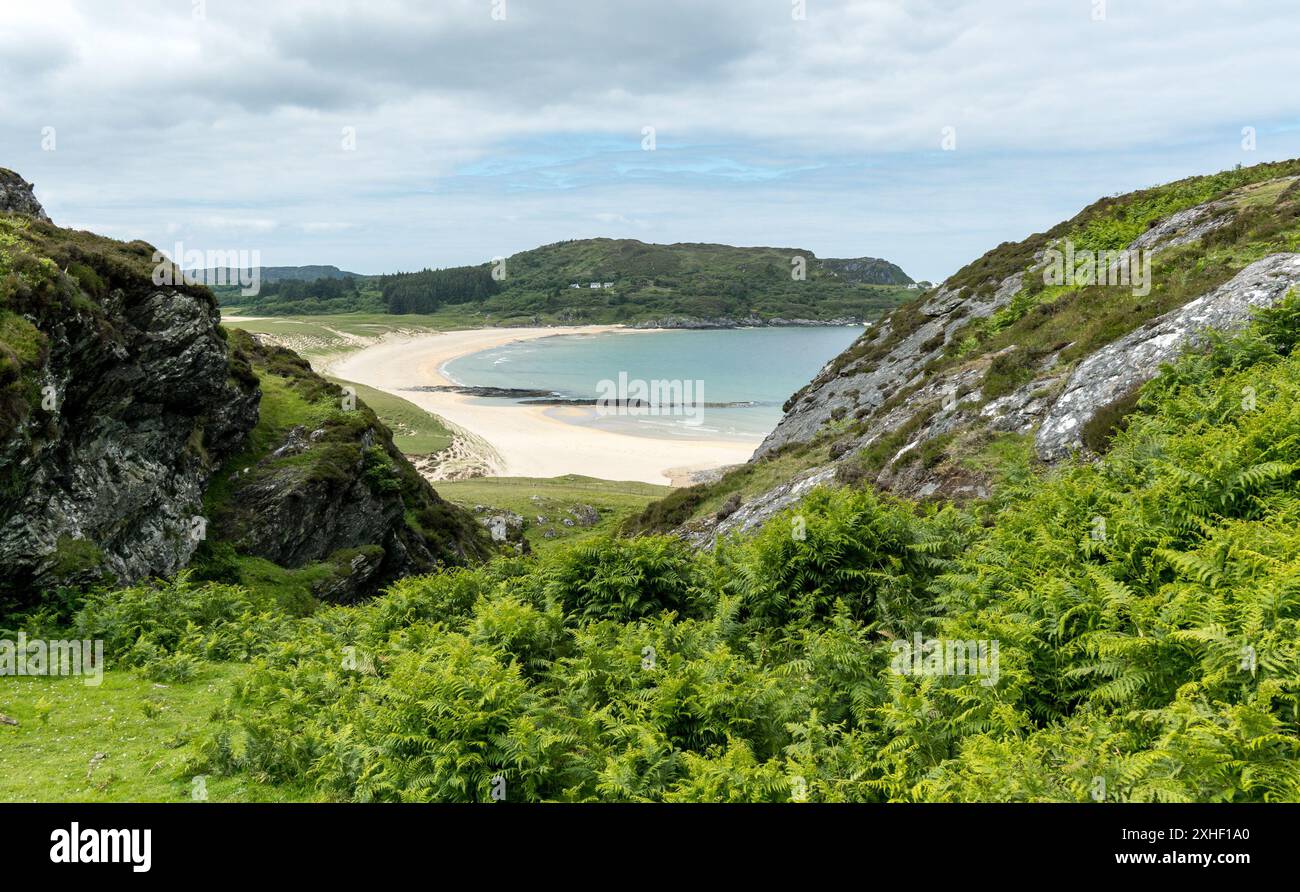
524,440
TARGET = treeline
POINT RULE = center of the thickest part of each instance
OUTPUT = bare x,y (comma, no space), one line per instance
294,298
427,291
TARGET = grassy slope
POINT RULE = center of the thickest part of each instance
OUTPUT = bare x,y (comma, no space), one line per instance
140,726
552,498
332,333
415,431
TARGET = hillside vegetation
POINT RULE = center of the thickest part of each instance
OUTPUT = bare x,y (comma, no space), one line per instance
636,282
948,392
1145,610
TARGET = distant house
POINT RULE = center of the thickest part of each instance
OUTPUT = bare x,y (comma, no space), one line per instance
609,284
574,285
595,285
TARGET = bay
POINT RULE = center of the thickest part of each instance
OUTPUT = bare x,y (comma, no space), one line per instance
739,377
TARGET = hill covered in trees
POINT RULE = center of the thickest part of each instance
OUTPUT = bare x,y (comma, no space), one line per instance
620,281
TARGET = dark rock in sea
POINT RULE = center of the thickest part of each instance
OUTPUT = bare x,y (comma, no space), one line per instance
512,393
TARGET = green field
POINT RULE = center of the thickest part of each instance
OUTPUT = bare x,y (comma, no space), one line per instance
552,498
334,331
140,727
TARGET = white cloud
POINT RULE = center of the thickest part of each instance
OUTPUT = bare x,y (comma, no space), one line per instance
475,136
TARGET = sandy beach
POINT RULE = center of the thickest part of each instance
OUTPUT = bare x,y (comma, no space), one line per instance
526,441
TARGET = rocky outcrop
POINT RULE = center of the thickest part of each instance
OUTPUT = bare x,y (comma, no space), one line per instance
919,393
334,492
129,406
1184,227
883,361
747,517
138,437
17,196
503,526
865,270
293,513
1118,369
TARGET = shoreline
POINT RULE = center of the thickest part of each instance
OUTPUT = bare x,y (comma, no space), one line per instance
527,441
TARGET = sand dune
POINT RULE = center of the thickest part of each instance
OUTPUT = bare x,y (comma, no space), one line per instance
529,441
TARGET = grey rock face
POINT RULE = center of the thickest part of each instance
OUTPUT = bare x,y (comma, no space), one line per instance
110,471
864,385
17,197
504,526
1119,368
585,515
758,511
869,270
1183,227
1053,406
352,578
294,519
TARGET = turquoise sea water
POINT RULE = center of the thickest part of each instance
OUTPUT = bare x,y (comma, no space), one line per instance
758,368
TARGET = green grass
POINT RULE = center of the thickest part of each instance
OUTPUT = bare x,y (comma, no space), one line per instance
282,408
21,337
365,325
1002,455
141,727
415,431
552,498
1263,194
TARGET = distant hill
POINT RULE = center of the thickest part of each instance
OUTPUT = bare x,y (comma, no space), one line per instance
625,280
866,271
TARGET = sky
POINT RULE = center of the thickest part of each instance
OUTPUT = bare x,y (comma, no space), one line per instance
390,135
